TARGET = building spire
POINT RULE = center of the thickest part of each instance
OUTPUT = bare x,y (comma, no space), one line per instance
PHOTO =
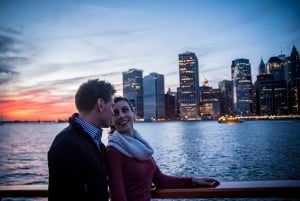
262,67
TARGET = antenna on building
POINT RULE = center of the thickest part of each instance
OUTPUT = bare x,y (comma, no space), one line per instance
281,48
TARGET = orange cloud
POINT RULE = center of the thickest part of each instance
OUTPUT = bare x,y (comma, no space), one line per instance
34,107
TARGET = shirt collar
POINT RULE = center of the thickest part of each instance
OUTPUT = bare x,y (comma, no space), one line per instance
91,130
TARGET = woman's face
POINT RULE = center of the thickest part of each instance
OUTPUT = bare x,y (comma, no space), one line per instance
123,118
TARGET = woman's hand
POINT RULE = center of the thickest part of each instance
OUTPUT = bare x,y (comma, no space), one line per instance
205,182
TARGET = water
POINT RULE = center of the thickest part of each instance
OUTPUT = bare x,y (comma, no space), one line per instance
253,150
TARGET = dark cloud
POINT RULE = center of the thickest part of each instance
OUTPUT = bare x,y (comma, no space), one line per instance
95,61
78,80
7,63
7,66
56,66
122,33
6,44
9,58
9,30
7,77
171,73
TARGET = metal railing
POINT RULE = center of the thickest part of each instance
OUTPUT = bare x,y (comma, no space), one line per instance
233,189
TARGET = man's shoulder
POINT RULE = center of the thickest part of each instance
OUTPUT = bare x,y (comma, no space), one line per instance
64,137
65,142
65,133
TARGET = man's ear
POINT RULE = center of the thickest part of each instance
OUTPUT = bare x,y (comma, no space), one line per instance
100,104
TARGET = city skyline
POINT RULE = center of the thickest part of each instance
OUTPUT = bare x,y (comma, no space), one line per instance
48,49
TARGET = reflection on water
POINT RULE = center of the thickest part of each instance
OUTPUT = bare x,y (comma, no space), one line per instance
253,150
23,152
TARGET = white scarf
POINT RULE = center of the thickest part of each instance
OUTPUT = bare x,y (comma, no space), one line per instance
134,147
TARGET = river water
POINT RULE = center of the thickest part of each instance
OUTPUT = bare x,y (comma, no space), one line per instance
253,150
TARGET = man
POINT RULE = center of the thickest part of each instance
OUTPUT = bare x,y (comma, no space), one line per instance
76,156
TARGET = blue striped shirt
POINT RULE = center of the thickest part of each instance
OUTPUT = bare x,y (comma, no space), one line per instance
93,132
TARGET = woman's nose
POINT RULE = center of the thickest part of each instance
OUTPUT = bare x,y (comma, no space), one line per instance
121,114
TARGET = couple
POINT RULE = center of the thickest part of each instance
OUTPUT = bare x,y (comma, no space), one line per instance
81,168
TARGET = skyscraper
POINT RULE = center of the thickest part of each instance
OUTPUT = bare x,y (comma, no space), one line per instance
242,86
188,86
294,82
225,87
154,103
133,90
295,63
171,105
209,104
270,95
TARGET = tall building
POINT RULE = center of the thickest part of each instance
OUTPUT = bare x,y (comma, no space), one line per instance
295,63
270,88
242,87
133,90
226,107
209,103
294,82
271,95
170,105
188,86
154,97
262,70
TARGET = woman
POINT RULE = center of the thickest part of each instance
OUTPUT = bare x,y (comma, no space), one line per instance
131,168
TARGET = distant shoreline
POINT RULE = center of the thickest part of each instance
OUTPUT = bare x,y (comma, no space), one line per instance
245,118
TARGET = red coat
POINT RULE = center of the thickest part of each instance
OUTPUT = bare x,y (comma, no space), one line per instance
131,180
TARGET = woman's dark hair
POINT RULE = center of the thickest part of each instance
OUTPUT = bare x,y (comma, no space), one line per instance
89,92
121,98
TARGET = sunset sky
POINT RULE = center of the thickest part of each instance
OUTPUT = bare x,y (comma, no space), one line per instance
48,48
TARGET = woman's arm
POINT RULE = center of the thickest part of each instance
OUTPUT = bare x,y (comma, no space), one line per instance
167,181
162,180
